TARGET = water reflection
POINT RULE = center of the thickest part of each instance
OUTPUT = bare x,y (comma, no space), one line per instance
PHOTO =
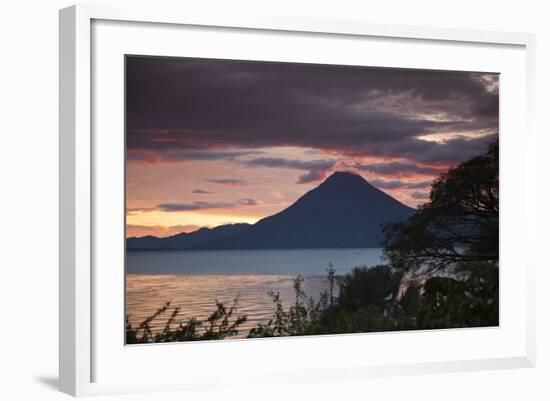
196,295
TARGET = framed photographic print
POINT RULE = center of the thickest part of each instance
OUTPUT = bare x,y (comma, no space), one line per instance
290,198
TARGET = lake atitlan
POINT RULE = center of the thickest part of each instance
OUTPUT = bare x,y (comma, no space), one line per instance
194,280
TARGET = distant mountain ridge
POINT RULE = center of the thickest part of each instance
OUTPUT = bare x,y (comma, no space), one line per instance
344,211
184,240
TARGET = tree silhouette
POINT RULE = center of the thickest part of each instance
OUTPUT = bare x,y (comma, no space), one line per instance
459,224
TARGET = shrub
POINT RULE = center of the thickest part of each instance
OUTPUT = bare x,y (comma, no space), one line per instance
219,325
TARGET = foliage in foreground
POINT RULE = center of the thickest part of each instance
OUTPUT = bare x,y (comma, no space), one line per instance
219,325
370,299
378,299
442,273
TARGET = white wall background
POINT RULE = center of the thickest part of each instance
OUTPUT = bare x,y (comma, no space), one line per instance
29,197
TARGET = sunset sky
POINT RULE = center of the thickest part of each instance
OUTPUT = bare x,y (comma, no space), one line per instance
211,142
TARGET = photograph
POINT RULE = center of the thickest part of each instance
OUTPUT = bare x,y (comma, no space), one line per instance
275,199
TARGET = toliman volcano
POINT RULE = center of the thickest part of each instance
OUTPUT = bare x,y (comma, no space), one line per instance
345,211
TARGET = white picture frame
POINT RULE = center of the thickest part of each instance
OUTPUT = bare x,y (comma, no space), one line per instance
79,339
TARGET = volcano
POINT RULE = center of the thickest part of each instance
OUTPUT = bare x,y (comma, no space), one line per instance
345,211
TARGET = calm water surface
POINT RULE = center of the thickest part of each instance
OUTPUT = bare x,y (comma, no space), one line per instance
194,280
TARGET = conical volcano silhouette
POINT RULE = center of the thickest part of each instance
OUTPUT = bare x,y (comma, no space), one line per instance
345,211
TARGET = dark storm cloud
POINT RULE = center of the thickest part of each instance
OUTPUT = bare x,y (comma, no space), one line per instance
226,181
312,176
185,207
292,163
318,169
136,210
213,105
248,202
394,168
201,192
198,205
454,150
397,184
169,155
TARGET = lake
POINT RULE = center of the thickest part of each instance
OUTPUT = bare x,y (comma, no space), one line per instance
194,280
